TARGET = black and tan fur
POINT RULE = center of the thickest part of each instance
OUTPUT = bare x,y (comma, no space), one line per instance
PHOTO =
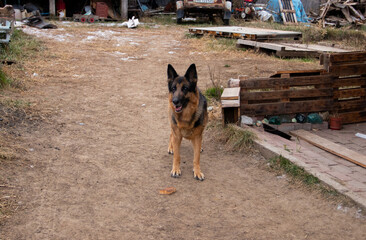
188,117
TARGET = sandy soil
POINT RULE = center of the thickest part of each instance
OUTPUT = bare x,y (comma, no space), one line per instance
93,166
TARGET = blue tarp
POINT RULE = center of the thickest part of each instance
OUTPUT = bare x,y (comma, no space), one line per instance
274,6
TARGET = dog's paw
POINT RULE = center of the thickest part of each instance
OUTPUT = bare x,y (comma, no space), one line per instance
198,175
175,173
201,150
170,151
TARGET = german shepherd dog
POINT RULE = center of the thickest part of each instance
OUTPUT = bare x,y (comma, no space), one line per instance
188,117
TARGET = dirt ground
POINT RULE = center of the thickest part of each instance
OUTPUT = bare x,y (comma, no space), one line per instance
92,164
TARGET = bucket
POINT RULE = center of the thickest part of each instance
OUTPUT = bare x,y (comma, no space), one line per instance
335,123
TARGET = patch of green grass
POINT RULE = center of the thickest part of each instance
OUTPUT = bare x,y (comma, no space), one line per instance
214,92
227,65
15,103
20,47
4,79
281,163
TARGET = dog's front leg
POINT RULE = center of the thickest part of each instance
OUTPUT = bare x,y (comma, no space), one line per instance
197,144
177,139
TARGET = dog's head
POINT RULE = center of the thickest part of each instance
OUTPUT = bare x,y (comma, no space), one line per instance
181,88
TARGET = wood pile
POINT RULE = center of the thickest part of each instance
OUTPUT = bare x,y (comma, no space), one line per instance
342,12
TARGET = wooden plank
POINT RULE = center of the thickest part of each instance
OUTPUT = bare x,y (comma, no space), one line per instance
347,69
271,46
347,82
230,103
291,93
260,83
353,117
348,105
299,73
331,147
347,57
349,93
231,93
281,108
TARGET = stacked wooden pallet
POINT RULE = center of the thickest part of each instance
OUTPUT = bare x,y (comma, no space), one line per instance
286,94
349,84
339,88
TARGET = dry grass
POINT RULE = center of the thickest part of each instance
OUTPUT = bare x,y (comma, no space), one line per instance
234,137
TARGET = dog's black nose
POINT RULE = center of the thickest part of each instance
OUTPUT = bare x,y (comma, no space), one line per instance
175,101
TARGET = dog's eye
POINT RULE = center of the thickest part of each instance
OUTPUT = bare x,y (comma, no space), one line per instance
184,88
174,89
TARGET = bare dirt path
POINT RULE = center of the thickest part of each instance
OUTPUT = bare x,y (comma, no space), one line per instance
96,164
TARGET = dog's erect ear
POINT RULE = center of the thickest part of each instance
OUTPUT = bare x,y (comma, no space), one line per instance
191,74
172,74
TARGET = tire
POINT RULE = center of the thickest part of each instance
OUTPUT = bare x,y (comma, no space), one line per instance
179,21
226,22
83,19
91,20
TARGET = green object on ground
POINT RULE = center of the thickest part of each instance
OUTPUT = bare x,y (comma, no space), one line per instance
314,118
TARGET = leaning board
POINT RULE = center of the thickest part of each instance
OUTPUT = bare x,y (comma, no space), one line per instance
331,147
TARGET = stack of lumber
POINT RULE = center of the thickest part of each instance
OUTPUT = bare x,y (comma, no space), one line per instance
342,12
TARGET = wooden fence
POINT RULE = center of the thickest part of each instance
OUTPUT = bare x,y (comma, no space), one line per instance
339,89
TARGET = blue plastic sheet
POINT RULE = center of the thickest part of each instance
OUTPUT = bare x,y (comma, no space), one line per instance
274,7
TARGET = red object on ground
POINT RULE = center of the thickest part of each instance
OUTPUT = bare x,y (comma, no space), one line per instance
60,5
102,10
335,123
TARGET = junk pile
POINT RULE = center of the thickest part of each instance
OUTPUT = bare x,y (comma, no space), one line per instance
6,23
31,16
281,11
342,12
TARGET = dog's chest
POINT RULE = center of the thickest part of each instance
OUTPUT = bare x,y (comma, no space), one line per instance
186,133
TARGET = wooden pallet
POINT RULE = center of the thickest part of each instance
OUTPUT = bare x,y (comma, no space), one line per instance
286,95
288,12
256,34
290,49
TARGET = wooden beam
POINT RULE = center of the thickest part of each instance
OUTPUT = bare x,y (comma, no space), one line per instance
353,117
348,69
291,93
52,7
260,83
124,9
280,108
331,147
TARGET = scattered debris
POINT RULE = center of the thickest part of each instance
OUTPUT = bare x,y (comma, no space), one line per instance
341,12
168,191
131,23
361,135
246,120
38,22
